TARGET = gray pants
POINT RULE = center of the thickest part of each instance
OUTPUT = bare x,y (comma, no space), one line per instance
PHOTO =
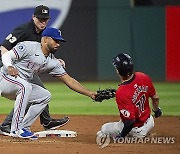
23,92
44,116
114,128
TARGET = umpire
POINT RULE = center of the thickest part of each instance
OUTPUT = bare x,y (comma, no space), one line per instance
31,31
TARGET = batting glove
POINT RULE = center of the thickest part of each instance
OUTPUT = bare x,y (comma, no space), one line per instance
157,113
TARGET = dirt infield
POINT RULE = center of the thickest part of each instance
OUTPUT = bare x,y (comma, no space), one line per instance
86,128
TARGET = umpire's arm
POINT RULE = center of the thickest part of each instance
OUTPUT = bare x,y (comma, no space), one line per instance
76,86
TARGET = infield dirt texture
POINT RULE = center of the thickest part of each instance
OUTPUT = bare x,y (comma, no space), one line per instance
85,143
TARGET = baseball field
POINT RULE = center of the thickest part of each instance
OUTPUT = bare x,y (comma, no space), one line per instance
87,117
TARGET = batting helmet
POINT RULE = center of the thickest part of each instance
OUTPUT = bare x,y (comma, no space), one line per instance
124,64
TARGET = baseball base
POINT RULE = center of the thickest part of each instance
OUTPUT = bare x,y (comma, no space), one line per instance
56,133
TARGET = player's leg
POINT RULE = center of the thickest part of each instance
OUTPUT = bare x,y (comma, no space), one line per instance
8,119
20,90
5,127
108,130
45,115
112,128
39,98
144,130
45,119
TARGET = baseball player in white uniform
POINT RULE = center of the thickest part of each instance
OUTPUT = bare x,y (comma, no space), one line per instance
19,66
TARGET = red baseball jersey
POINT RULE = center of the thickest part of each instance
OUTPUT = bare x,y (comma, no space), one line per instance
132,98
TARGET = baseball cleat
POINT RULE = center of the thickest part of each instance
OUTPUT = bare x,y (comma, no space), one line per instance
33,137
5,129
56,123
23,133
13,134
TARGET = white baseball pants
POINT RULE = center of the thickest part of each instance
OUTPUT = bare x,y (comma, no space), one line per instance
114,128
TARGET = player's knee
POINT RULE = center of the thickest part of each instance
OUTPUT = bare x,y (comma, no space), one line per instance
27,87
105,128
47,96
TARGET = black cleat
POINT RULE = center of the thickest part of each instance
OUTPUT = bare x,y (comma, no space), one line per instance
5,129
55,123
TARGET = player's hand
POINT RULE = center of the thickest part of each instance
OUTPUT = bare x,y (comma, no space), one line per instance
62,62
157,113
13,71
92,95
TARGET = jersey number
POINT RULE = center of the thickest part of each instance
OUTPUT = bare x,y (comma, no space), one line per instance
140,104
11,38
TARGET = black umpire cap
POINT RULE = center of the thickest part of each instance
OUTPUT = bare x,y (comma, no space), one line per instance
42,11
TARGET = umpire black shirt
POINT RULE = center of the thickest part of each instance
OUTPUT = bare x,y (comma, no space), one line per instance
24,32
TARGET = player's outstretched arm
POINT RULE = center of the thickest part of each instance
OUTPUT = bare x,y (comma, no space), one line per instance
76,86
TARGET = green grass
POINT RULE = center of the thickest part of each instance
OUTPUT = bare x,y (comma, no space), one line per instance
169,94
65,101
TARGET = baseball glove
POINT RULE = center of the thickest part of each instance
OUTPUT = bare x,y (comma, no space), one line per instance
105,94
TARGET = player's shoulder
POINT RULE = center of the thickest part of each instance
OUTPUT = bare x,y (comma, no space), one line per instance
29,45
33,45
53,60
142,77
141,74
121,89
